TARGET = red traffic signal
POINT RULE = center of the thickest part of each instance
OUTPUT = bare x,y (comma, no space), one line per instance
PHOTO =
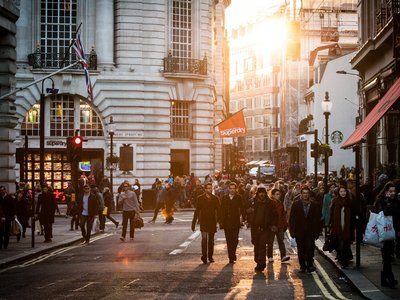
77,140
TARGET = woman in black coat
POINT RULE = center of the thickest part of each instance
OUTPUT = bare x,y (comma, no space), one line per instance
22,208
46,208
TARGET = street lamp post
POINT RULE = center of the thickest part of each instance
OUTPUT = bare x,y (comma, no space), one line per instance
111,131
41,125
326,108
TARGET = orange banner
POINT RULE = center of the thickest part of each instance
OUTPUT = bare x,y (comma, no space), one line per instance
233,126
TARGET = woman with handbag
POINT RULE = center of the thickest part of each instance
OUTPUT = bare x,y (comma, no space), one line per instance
388,203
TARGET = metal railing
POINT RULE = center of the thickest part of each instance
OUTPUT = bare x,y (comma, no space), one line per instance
385,13
185,65
182,130
42,60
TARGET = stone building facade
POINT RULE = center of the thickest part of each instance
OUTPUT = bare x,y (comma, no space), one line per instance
156,69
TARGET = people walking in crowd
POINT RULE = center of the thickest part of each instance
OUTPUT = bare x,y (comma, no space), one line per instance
7,214
263,222
108,203
326,206
130,206
341,226
74,213
169,203
388,203
88,208
206,213
68,197
160,194
282,225
45,210
22,211
304,226
100,200
230,222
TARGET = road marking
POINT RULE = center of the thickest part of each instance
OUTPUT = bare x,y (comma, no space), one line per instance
186,243
47,285
51,254
322,287
83,287
133,281
329,281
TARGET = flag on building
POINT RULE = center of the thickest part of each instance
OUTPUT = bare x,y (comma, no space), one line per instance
80,52
233,126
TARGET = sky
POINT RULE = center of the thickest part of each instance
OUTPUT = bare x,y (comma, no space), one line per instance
246,11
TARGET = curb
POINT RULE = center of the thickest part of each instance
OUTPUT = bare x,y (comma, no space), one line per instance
361,283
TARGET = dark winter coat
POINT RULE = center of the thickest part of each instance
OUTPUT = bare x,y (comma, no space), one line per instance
207,213
22,208
93,205
46,207
231,210
301,226
270,217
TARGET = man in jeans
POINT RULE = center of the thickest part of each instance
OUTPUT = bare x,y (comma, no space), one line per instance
281,226
88,208
130,206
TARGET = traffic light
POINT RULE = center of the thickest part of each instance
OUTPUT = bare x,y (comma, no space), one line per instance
314,150
74,148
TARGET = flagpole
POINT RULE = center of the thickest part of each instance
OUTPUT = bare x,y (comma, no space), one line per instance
70,45
39,80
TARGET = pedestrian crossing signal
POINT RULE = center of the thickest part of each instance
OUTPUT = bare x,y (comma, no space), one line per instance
74,148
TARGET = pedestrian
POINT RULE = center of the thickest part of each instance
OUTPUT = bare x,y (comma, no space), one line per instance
282,225
341,226
108,203
388,203
263,222
326,206
230,222
160,194
74,213
7,214
304,226
130,207
207,214
169,203
88,208
22,211
45,210
68,197
100,200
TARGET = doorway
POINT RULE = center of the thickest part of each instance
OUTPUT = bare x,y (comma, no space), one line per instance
180,162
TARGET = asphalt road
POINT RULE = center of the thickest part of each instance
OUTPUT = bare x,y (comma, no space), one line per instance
163,262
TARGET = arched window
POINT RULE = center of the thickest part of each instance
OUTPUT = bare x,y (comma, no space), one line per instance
65,118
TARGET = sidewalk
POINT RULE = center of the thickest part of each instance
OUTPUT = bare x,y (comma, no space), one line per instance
366,279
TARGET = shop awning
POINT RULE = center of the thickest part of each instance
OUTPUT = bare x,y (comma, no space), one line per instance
375,115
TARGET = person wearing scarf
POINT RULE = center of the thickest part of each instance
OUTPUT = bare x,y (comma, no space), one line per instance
341,226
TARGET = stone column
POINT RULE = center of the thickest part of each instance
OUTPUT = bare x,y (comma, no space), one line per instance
105,34
25,34
9,14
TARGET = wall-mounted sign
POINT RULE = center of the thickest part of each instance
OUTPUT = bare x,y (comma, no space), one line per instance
336,137
84,166
53,143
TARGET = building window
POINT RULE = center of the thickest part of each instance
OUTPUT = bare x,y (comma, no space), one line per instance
180,125
267,144
90,124
57,27
30,125
249,144
64,118
181,28
62,115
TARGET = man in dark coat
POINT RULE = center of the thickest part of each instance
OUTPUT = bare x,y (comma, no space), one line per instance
305,226
7,214
231,210
263,222
88,207
45,209
207,213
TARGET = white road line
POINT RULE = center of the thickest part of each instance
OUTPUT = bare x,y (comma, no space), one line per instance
329,281
83,287
133,281
47,285
186,243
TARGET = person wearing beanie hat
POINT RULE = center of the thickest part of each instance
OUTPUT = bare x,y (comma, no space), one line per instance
263,222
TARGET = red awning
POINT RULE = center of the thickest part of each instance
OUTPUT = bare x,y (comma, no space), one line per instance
375,115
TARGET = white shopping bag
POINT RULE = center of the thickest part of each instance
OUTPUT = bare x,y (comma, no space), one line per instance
385,227
371,235
96,225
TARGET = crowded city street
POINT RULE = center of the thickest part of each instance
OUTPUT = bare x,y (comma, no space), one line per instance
163,262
